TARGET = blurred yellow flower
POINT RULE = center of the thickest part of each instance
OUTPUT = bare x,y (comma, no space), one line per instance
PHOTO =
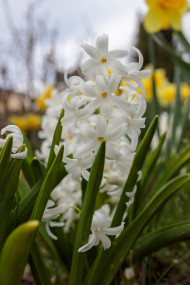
40,101
185,91
164,13
19,122
166,94
28,122
33,121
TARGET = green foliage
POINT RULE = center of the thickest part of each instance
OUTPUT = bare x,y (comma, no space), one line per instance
15,253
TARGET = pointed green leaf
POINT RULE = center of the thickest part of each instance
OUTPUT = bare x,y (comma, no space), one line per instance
108,261
4,162
133,174
84,224
173,167
47,186
160,238
15,253
8,194
22,212
184,41
56,140
38,169
28,173
37,266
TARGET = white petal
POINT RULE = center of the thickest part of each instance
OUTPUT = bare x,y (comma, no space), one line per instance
11,128
140,63
85,174
92,51
89,244
106,242
56,224
49,232
115,230
106,108
101,83
113,83
102,43
117,53
89,66
20,155
88,91
116,66
101,126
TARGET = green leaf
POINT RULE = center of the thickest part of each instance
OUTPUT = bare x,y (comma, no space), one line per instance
28,173
55,250
107,262
133,174
15,253
155,110
184,124
30,153
56,140
47,186
8,194
173,167
37,266
175,115
4,162
38,169
148,175
151,162
22,212
184,41
84,224
161,238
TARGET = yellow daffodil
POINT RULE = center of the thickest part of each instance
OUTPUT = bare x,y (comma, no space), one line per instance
185,91
28,122
33,121
40,101
164,13
166,94
19,122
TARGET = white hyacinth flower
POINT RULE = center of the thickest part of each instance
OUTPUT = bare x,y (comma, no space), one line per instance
93,138
100,229
78,167
18,140
75,110
103,94
52,213
101,59
133,72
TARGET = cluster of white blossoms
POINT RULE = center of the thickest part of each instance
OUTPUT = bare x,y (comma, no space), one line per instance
95,112
18,140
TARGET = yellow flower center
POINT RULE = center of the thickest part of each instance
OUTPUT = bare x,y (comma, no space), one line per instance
100,139
104,94
103,60
171,4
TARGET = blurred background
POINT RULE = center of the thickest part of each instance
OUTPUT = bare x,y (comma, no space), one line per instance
40,39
